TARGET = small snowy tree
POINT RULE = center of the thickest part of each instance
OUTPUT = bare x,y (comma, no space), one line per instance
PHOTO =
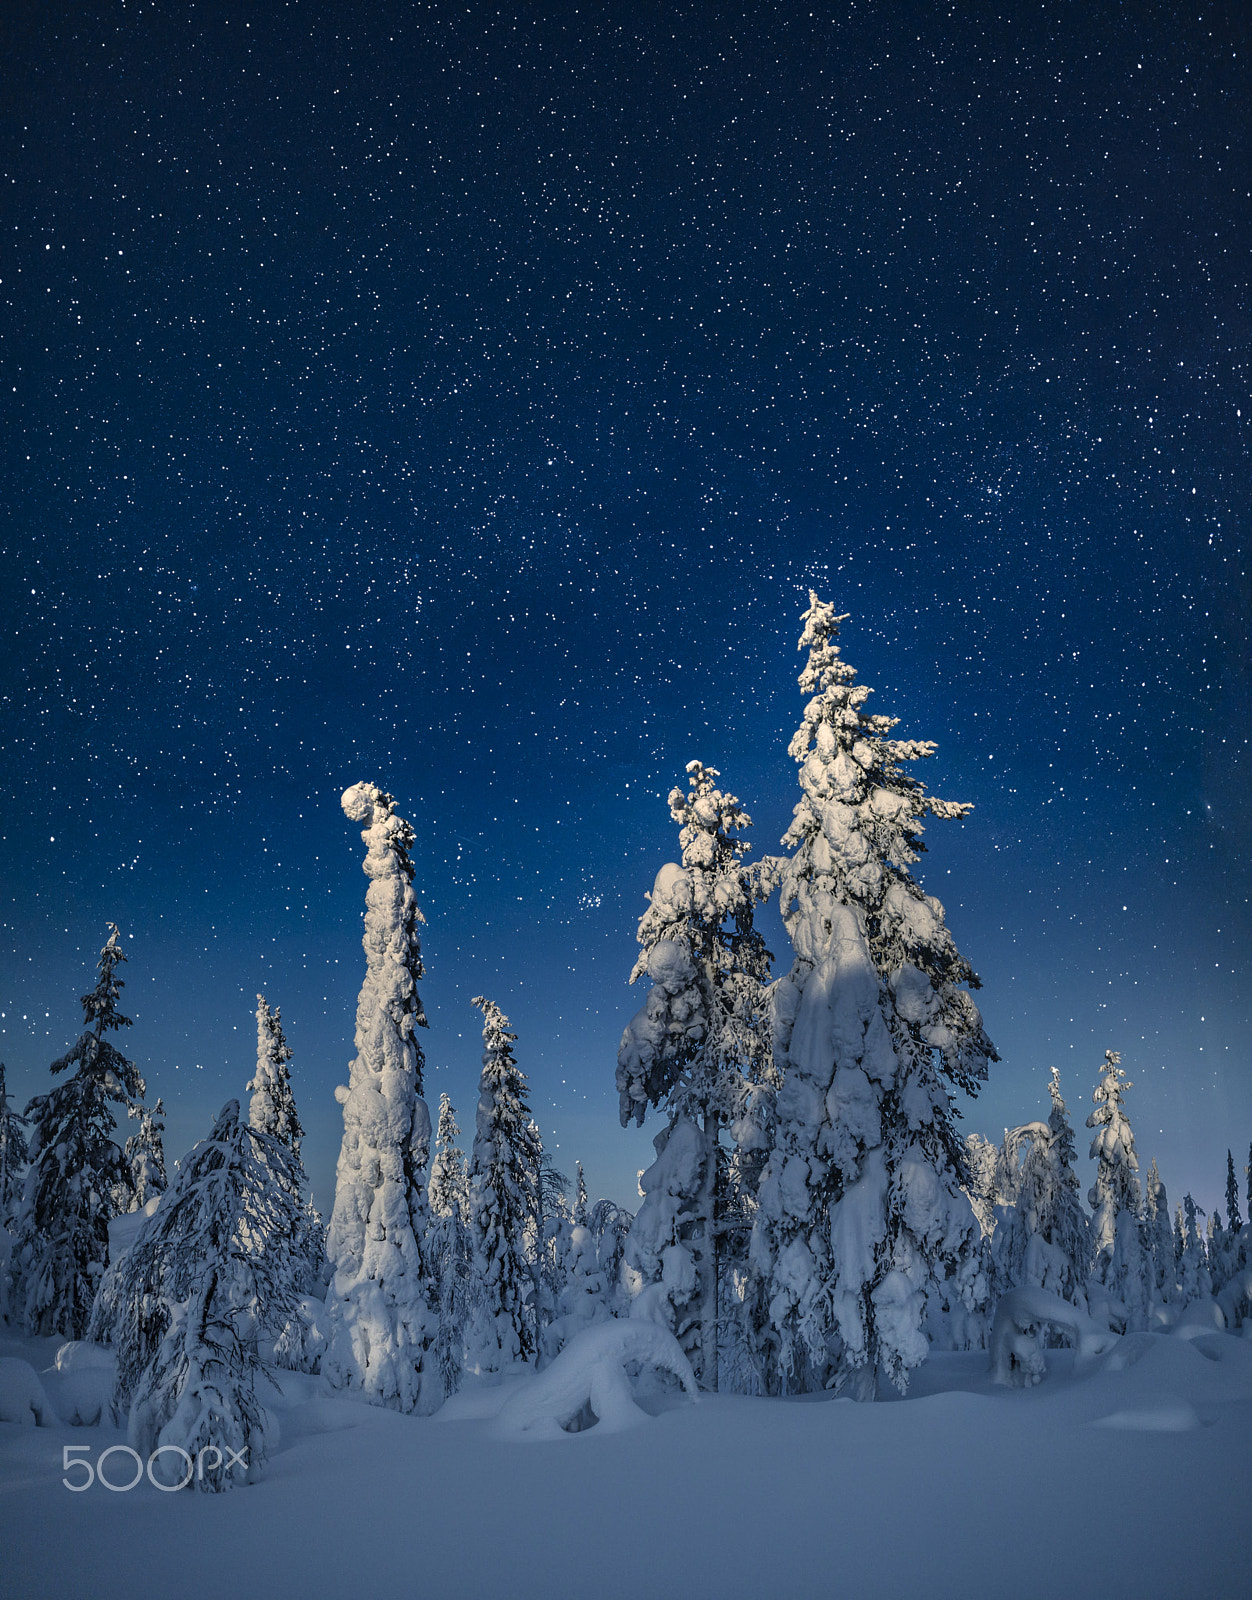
273,1105
699,1043
210,1274
449,1248
861,1213
380,1316
1195,1282
145,1154
580,1196
76,1168
1041,1240
1114,1198
1158,1240
504,1198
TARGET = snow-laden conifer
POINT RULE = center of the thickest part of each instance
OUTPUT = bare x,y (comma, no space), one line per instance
145,1154
580,1196
14,1152
1195,1282
1158,1241
272,1110
273,1105
504,1198
1115,1200
699,1045
449,1247
212,1274
861,1208
981,1158
1234,1220
78,1176
13,1156
380,1317
1041,1239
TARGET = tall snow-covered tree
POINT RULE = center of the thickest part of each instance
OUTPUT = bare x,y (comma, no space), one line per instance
698,1045
145,1154
272,1110
380,1312
580,1196
1115,1200
504,1197
78,1176
210,1275
273,1105
861,1208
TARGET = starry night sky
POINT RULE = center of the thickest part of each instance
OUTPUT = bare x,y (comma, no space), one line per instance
465,400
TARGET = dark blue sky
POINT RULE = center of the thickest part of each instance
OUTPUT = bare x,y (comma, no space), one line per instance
465,400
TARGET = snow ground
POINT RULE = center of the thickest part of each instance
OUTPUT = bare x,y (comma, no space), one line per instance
1131,1479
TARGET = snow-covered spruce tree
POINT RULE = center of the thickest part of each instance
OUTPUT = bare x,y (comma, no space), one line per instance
504,1199
380,1315
145,1154
610,1228
1233,1219
1195,1282
78,1177
697,1047
272,1110
210,1274
1117,1265
1237,1247
14,1152
862,1214
1158,1241
273,1105
1041,1240
449,1249
580,1196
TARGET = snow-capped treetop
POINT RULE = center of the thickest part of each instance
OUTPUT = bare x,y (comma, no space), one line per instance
145,1153
1114,1144
580,1196
449,1184
273,1106
392,905
700,1035
856,831
1233,1220
100,1006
